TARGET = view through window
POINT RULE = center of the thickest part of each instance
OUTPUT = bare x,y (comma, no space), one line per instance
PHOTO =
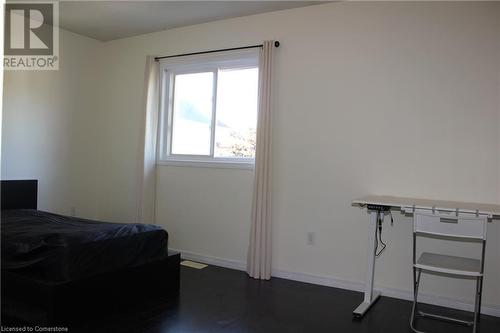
210,112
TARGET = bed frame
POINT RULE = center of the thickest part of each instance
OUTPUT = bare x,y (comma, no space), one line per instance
67,303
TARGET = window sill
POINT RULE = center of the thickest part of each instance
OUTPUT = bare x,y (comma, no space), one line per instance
208,164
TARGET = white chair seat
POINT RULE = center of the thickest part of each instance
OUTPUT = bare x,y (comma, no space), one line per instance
449,264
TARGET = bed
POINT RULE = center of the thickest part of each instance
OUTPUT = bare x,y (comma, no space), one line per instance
59,269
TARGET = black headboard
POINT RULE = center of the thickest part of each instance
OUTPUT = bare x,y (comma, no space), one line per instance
19,194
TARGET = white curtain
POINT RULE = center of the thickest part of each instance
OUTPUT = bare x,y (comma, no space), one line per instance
147,153
259,251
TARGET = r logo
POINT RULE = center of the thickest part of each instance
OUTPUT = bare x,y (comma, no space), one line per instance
29,29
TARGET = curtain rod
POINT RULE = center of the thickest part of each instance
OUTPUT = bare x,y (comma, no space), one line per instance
276,44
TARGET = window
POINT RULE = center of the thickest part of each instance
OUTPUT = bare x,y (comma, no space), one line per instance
209,110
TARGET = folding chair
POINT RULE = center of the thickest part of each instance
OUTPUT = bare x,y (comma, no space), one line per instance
457,227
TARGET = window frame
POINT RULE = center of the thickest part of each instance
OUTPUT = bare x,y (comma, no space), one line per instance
169,68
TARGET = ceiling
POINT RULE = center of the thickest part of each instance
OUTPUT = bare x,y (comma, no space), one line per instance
108,20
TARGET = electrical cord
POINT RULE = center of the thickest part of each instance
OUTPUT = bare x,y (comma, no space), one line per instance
377,254
379,240
378,236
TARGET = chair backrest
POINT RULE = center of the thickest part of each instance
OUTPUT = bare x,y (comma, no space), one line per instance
449,224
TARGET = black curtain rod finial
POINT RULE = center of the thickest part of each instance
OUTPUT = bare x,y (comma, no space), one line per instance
276,43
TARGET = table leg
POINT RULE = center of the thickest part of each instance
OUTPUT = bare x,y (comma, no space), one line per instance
370,295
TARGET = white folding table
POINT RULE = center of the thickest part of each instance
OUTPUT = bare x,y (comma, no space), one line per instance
377,205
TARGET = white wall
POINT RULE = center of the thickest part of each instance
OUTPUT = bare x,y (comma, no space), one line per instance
371,99
49,131
498,147
495,239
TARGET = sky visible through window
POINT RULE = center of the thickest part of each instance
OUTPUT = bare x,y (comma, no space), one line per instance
236,115
192,116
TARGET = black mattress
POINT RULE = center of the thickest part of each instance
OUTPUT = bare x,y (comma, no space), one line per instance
55,248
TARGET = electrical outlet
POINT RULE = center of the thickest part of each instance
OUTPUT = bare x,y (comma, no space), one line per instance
310,238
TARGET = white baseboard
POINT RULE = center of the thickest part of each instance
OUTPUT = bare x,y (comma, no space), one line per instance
492,310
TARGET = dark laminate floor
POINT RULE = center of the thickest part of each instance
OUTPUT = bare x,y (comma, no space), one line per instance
222,300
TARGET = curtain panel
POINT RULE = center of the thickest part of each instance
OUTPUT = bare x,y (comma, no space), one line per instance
259,251
147,146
